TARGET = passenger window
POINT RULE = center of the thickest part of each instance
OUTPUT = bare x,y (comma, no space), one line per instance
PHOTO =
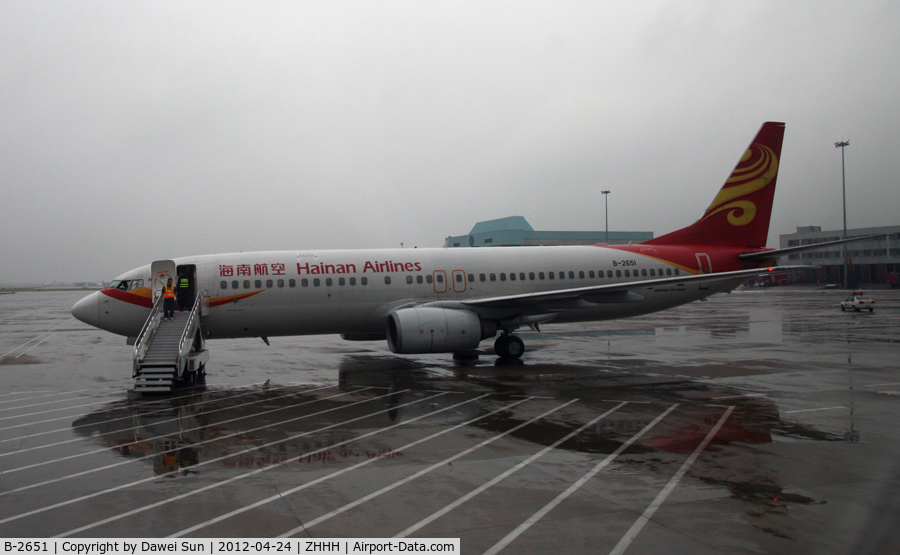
562,275
471,278
550,275
540,275
409,280
440,278
342,282
522,276
591,274
618,273
280,283
246,284
317,282
581,274
493,277
387,280
234,284
512,276
428,279
652,272
223,285
572,275
420,280
609,273
352,281
304,282
364,281
459,278
531,276
628,273
270,283
502,276
293,283
677,272
257,284
643,273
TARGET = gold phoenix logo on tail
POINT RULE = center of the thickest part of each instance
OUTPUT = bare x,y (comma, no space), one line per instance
757,168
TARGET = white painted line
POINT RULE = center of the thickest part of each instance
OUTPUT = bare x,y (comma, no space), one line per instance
41,342
53,410
128,418
661,497
46,403
307,525
811,410
504,475
29,341
274,465
408,479
174,473
176,419
571,489
45,395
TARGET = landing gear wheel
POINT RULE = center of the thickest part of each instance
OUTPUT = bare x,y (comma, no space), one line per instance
509,347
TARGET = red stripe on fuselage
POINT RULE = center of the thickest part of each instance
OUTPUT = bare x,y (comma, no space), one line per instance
128,297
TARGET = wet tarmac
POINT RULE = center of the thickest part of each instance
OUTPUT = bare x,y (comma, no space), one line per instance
765,421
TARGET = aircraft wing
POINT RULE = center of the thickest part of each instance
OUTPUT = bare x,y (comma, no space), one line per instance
584,297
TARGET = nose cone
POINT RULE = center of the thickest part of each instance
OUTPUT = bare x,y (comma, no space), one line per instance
88,309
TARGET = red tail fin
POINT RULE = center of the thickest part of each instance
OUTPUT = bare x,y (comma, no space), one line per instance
739,215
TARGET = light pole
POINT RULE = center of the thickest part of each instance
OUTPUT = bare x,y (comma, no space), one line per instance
841,146
606,210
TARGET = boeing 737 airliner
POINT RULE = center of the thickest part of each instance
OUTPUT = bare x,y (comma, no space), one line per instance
449,300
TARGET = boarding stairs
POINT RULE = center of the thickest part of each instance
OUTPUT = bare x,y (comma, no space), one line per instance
167,352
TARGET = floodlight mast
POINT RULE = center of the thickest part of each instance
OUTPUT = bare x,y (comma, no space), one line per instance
606,210
841,145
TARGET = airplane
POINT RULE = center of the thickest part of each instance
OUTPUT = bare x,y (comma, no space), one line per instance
448,300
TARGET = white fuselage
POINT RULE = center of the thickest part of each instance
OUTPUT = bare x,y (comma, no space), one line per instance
272,293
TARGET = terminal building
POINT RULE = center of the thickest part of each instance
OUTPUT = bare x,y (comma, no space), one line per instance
516,231
870,261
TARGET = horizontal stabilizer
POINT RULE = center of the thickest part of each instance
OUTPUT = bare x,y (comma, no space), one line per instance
765,255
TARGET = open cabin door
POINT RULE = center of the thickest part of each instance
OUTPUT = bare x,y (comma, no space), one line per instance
160,272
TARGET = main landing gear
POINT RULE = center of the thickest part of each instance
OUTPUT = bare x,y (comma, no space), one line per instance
509,347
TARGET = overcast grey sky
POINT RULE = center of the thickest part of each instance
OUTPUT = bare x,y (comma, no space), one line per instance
135,131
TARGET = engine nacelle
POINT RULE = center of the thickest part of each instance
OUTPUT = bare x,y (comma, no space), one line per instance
435,330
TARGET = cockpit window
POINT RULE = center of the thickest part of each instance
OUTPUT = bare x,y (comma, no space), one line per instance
125,284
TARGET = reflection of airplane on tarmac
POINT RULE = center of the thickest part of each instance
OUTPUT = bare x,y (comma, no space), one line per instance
444,300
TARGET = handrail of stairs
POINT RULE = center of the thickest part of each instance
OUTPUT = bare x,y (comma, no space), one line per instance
142,343
187,337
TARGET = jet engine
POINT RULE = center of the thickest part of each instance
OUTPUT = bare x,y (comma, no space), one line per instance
435,330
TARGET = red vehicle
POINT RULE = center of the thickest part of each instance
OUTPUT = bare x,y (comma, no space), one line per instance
774,279
893,279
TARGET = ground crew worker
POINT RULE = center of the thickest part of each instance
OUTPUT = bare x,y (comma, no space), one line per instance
184,292
169,300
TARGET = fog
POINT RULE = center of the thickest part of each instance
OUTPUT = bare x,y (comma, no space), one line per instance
136,131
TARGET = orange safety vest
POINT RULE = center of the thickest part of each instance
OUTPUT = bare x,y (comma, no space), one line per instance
169,291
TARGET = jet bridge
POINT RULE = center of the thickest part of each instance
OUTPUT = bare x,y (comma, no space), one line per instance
170,352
